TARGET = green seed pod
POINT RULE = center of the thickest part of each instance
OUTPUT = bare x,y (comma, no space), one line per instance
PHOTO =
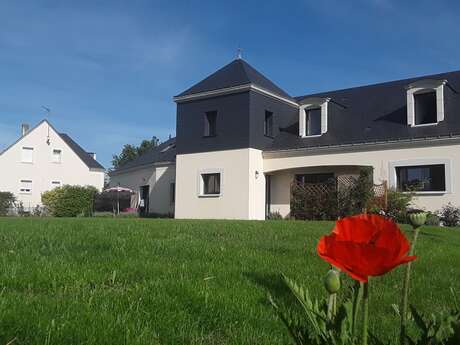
417,219
332,281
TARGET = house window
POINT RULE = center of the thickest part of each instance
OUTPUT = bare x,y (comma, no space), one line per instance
425,102
57,156
268,124
55,184
421,178
27,155
25,187
313,121
210,184
314,178
210,124
313,116
425,108
172,192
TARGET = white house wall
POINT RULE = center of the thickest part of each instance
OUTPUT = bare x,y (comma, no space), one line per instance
242,189
382,161
159,179
42,170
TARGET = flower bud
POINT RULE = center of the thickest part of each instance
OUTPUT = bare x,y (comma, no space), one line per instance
417,219
332,281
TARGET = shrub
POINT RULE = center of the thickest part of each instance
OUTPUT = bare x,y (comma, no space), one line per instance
274,216
398,205
6,201
432,219
450,215
70,201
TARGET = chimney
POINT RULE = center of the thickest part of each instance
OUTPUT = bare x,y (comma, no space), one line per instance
24,129
92,154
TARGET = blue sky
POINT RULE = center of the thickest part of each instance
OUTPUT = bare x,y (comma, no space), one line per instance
108,69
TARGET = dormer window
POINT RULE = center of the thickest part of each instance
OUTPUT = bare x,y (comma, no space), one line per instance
313,116
425,102
210,124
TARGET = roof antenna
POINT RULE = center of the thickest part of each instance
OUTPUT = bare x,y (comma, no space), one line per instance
48,111
239,53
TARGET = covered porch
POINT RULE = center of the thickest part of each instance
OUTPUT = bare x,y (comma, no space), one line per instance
279,183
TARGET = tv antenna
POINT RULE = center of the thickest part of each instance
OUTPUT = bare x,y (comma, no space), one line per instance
239,53
48,111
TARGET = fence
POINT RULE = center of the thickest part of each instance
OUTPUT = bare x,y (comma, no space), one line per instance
338,197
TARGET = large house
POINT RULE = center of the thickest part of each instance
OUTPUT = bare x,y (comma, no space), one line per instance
43,159
242,140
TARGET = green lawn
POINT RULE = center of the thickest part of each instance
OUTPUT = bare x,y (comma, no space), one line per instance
144,281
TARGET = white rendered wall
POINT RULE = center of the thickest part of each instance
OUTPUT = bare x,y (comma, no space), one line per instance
382,161
42,170
242,193
159,179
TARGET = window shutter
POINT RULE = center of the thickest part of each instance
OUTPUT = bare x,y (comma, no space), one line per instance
324,117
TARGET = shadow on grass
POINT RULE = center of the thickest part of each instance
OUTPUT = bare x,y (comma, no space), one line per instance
274,285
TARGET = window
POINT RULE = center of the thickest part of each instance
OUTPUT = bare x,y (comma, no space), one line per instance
268,124
172,192
314,178
27,155
210,184
210,124
423,178
313,121
425,108
313,116
425,102
57,156
55,184
25,187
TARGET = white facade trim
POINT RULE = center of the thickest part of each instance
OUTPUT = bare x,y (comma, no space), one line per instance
423,86
233,89
424,161
310,103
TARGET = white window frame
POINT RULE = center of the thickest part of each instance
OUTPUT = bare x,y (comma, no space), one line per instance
23,190
60,156
428,161
423,86
200,184
312,103
29,149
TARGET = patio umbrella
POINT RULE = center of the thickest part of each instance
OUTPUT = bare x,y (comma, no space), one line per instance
117,190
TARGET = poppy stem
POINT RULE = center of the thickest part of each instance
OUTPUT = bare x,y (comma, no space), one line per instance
365,313
356,304
405,292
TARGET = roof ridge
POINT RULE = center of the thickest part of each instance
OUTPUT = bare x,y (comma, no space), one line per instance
377,84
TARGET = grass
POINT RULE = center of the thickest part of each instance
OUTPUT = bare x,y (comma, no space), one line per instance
144,281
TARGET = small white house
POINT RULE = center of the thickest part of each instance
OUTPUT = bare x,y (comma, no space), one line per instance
42,159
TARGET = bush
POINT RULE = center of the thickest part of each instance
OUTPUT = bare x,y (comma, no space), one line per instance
70,201
6,201
398,205
432,219
450,215
274,216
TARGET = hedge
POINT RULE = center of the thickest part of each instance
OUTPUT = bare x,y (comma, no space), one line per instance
70,201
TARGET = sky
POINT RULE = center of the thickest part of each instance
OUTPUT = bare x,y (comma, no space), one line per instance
108,69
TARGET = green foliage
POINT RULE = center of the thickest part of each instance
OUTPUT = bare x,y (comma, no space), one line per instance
432,219
316,326
70,201
450,215
398,205
439,329
130,152
274,216
6,201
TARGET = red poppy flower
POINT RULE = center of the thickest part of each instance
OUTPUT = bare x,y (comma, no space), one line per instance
365,245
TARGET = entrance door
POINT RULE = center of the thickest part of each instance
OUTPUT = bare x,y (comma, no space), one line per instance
268,196
144,203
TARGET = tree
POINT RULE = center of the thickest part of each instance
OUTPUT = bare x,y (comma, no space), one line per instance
130,152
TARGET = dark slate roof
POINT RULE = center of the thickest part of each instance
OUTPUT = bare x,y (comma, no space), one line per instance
374,113
165,152
236,73
84,156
